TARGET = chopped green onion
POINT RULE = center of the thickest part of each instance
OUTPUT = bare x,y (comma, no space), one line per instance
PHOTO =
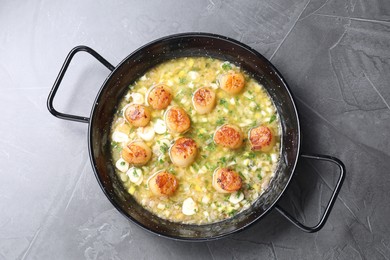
220,121
273,118
226,66
223,102
182,80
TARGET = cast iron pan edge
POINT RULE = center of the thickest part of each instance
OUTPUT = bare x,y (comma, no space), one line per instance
186,35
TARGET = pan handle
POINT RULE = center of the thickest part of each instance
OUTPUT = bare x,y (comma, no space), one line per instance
60,76
331,202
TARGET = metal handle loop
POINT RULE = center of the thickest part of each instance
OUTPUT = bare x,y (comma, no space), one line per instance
60,76
331,202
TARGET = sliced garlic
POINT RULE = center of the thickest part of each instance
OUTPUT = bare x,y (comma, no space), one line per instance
236,197
137,98
122,165
135,175
119,137
160,127
146,133
189,207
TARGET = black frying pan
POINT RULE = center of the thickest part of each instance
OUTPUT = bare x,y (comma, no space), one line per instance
186,45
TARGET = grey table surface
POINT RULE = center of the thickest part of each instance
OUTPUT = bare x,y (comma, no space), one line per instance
334,54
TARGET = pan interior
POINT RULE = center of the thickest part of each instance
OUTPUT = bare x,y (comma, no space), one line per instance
187,45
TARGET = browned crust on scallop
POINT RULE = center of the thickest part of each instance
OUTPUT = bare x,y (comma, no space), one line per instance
184,147
234,82
203,96
160,97
135,154
260,137
178,120
166,183
135,113
228,136
228,179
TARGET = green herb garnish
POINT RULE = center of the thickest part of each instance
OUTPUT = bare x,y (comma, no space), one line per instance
232,213
222,159
182,80
226,66
251,155
273,118
223,102
241,175
220,121
164,148
210,147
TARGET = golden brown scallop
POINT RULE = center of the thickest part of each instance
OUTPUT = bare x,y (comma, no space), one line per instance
136,153
203,100
226,180
137,115
232,82
160,97
261,138
177,120
229,136
163,183
183,152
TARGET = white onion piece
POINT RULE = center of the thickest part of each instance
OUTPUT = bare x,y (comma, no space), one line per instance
160,127
189,207
236,197
135,175
146,133
137,98
122,165
119,137
193,75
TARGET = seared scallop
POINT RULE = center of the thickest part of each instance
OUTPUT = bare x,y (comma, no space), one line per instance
177,120
203,100
229,136
183,152
137,115
163,183
261,138
232,82
160,97
226,180
136,153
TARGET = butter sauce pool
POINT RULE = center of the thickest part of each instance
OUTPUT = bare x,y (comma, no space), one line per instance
196,200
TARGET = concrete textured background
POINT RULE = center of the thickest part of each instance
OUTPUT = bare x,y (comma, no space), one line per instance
335,55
